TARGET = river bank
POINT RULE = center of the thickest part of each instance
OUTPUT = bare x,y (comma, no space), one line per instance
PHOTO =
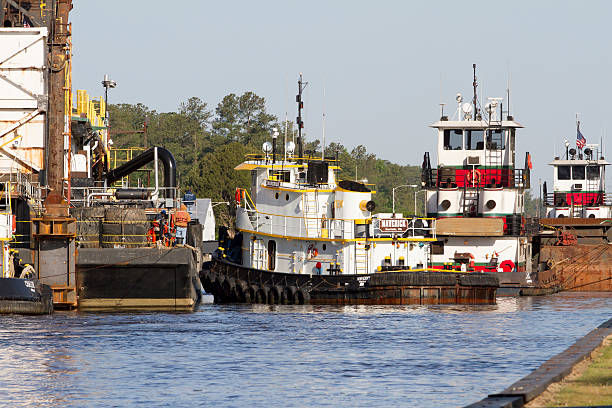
589,383
527,390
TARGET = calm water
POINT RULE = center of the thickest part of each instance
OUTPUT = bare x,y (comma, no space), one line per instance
246,356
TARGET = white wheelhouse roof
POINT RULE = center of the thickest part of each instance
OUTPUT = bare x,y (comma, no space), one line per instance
474,124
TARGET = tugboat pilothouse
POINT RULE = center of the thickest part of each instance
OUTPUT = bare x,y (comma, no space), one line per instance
579,183
305,237
476,192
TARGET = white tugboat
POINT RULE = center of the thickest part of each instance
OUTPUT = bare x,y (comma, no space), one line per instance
305,237
476,193
574,244
578,183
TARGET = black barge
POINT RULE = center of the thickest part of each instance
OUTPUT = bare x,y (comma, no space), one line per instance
229,282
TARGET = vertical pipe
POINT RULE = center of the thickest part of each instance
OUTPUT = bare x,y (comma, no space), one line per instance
156,167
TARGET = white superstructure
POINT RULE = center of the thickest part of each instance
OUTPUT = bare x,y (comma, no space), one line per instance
579,189
476,192
297,215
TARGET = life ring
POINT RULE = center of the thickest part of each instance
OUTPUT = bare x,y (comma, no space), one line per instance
474,177
507,265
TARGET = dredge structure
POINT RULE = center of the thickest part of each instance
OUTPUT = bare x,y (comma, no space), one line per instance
476,193
83,226
304,236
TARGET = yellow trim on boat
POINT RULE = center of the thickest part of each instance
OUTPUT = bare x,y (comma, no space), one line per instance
296,190
252,166
341,240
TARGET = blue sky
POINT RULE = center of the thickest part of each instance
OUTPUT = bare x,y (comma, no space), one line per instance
385,65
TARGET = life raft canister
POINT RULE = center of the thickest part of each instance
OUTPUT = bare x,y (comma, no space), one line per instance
474,176
237,196
507,265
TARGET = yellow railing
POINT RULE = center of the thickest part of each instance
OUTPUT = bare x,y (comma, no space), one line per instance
327,228
93,110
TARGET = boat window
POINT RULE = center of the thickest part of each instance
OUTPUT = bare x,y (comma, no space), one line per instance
453,139
282,175
496,139
592,172
563,172
577,172
474,139
271,255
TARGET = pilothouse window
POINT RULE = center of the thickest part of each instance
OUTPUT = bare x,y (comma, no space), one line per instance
577,172
474,139
592,172
563,172
453,139
496,139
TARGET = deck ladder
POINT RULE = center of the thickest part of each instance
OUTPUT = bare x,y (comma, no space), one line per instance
361,258
311,214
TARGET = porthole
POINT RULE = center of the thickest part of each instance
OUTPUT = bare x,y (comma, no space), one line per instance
324,247
445,204
491,204
276,195
287,197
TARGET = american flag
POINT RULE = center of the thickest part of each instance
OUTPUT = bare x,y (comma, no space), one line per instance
580,140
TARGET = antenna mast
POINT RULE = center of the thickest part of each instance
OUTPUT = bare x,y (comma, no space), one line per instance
323,147
300,123
475,84
509,116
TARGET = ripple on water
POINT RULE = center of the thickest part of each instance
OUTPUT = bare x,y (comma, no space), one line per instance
256,355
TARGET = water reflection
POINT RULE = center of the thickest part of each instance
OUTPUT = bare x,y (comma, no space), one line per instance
252,355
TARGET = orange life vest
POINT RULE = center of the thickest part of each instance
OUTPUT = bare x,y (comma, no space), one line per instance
182,218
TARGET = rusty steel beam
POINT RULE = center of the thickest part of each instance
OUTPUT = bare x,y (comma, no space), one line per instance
58,40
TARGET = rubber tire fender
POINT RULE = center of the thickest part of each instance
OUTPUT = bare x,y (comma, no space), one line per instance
252,290
302,297
242,292
274,295
288,295
229,288
207,281
262,295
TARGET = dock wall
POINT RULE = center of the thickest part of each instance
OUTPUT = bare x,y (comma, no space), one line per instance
553,370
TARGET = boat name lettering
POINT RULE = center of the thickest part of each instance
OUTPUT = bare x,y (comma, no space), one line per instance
272,183
393,225
29,284
362,280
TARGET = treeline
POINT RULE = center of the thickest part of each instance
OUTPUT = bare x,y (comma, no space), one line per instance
208,144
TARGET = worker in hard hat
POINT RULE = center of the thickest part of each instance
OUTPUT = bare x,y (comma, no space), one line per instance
181,220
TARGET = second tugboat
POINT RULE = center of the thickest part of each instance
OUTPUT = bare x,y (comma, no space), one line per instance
305,237
476,192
